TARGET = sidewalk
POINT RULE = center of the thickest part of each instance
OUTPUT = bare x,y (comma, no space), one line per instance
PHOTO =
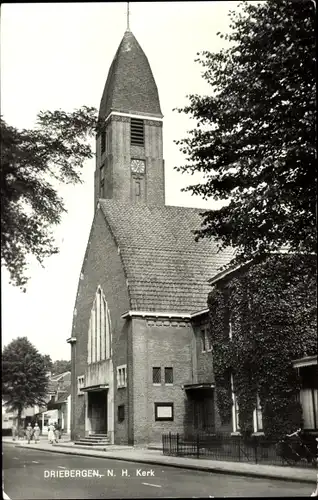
155,457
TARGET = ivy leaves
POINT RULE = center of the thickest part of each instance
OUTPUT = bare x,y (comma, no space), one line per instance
272,307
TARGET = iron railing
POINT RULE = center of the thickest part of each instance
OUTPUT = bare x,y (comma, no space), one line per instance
255,449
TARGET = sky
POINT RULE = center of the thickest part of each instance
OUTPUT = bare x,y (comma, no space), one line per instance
57,56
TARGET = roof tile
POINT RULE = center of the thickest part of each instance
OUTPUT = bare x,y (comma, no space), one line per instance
166,269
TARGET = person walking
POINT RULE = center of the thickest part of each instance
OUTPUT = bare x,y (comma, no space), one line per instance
50,433
36,431
56,432
29,432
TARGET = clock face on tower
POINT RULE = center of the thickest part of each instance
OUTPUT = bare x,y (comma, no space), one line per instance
137,166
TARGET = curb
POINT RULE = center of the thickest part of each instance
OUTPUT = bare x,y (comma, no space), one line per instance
182,466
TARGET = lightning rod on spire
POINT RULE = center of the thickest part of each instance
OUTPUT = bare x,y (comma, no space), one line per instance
128,29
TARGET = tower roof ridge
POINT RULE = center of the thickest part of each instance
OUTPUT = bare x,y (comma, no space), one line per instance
130,86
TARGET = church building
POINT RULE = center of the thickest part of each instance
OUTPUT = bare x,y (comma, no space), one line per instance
141,356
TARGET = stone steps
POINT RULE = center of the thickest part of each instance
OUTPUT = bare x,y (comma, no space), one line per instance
94,440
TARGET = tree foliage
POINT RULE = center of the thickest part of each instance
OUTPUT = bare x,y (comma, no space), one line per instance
60,366
33,163
48,362
272,306
255,137
24,380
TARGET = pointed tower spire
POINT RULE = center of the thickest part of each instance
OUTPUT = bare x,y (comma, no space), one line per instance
128,28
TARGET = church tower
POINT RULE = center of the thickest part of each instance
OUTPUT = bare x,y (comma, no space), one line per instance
129,152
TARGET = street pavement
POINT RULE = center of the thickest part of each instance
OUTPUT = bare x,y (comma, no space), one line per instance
33,474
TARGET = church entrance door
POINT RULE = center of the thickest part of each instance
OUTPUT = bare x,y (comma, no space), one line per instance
97,411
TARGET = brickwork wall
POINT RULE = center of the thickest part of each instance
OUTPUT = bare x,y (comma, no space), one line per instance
205,370
162,343
204,358
102,266
117,156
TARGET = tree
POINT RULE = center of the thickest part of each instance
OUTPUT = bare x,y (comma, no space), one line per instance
48,362
24,380
255,138
60,366
33,162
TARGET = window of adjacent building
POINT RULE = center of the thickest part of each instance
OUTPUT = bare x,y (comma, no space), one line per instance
205,340
168,375
137,132
98,347
121,413
80,385
121,376
230,329
235,408
156,375
164,411
308,396
257,416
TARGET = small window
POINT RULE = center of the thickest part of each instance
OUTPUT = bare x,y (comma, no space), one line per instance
168,375
164,411
156,375
103,140
136,132
121,413
121,376
80,385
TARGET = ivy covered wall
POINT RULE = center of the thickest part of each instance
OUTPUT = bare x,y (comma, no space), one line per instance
273,313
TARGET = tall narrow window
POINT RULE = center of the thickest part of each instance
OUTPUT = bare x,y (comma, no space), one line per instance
89,343
137,132
230,329
103,140
203,339
102,181
98,347
206,342
98,325
235,408
257,416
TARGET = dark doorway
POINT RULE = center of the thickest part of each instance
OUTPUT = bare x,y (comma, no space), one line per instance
97,411
201,411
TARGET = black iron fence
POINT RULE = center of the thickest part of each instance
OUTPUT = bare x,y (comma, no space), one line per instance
255,449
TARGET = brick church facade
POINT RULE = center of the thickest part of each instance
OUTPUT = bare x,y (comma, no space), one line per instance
141,357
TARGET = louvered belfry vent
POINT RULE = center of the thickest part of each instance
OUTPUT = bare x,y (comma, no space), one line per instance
137,132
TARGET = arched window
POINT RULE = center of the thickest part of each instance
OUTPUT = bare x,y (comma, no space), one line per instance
98,347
